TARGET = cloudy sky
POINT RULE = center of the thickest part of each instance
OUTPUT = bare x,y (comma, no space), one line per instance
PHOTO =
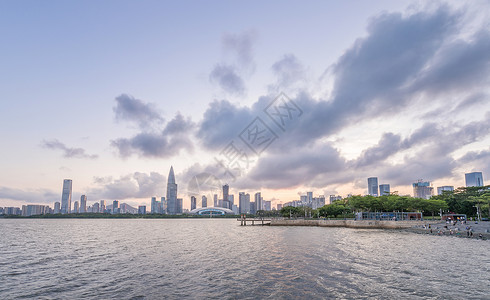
281,97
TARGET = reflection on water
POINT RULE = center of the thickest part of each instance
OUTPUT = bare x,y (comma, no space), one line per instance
174,258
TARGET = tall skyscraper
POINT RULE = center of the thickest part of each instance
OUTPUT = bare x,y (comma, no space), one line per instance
474,179
441,189
178,206
171,193
244,203
66,197
384,189
204,202
164,205
215,200
83,204
75,207
193,202
258,202
101,208
226,201
422,189
373,186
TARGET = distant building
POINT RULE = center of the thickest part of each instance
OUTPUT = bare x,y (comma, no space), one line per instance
267,205
115,207
373,186
142,209
154,205
309,198
474,179
226,201
422,189
76,207
102,207
384,189
172,205
215,200
33,210
96,208
83,204
318,202
179,206
193,202
253,210
441,189
204,201
66,196
12,211
334,198
244,203
279,206
163,205
57,208
258,202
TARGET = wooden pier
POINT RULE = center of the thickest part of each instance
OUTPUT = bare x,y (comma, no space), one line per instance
254,221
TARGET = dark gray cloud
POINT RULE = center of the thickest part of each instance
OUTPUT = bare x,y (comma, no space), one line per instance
134,110
67,151
165,143
30,196
136,185
227,78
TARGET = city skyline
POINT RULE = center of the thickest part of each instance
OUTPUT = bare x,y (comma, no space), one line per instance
113,106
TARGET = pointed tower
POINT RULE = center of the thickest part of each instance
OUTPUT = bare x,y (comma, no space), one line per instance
171,193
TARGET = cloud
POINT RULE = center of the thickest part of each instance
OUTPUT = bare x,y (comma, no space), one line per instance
67,152
227,78
131,109
288,71
240,45
160,144
30,196
136,185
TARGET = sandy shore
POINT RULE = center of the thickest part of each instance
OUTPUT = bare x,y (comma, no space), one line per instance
458,230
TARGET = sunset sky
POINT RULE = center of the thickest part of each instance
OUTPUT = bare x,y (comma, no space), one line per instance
111,94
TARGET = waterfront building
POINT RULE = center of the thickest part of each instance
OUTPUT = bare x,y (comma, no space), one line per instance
253,210
12,211
215,200
76,207
309,198
154,205
474,179
57,207
318,202
172,205
66,196
441,189
142,209
179,206
373,186
204,202
115,207
244,203
101,208
422,189
303,199
96,208
279,206
384,189
193,202
258,202
32,210
267,205
226,202
83,204
231,199
163,205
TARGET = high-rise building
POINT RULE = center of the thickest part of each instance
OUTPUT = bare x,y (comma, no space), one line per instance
83,204
115,207
172,205
193,202
204,202
101,208
178,207
309,197
258,202
226,201
215,200
422,189
244,203
33,209
441,189
75,207
57,207
267,205
474,179
154,205
96,208
142,209
163,205
373,186
253,210
384,189
66,197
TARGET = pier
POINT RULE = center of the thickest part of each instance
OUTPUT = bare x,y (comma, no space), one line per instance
254,221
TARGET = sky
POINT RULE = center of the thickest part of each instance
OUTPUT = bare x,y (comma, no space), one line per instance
281,97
